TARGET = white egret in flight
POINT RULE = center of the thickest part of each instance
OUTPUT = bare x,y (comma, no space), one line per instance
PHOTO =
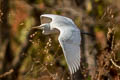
69,38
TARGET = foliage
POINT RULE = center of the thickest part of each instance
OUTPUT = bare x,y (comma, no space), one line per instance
34,56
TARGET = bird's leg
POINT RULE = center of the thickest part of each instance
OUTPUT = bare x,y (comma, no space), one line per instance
86,33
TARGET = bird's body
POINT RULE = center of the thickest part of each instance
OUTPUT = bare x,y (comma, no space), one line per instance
69,38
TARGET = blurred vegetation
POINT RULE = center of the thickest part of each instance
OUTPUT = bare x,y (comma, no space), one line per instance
29,55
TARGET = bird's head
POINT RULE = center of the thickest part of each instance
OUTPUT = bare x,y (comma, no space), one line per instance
44,27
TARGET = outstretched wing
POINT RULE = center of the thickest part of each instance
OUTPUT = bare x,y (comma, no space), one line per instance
71,49
53,17
57,18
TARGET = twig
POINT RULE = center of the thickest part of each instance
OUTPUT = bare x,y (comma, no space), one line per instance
6,73
57,51
115,64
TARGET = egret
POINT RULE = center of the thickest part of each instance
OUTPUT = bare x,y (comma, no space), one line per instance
69,38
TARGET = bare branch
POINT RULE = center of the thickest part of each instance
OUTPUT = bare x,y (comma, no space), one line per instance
115,64
6,73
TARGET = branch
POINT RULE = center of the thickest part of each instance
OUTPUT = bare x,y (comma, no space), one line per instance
115,64
6,73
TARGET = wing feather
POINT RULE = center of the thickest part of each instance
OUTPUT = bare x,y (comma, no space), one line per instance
58,18
71,49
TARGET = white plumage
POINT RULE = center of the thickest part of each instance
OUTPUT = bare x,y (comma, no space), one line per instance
69,38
